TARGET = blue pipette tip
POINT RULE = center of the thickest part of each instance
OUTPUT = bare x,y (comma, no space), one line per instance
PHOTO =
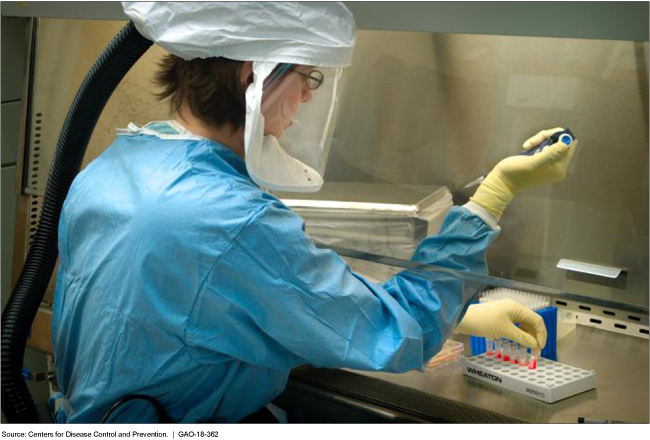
566,139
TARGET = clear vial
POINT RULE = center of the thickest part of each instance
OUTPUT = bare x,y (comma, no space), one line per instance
506,351
532,363
525,358
516,353
489,347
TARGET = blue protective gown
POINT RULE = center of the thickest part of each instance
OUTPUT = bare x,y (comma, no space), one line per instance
181,279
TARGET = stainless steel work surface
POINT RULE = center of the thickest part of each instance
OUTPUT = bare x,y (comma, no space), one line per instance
620,363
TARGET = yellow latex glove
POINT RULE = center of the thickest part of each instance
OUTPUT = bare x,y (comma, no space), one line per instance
518,173
496,320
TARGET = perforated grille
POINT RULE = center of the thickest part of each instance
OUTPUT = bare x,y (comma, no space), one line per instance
35,159
618,321
35,203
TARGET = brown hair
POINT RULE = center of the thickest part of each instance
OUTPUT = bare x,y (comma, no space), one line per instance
210,87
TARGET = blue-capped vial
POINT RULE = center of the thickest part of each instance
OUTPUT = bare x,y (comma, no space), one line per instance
566,139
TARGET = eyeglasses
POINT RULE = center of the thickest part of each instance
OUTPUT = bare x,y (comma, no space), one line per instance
313,79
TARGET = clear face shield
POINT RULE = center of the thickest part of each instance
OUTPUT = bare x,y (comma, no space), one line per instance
290,119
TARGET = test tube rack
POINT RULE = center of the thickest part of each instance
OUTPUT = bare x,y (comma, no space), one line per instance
550,382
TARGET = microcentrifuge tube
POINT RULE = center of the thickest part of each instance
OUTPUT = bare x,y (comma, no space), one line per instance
516,353
498,348
532,363
525,358
489,347
506,351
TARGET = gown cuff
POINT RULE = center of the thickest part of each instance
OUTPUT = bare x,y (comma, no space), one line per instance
483,214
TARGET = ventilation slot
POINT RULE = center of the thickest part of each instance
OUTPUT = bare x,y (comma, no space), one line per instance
595,321
634,318
34,214
585,308
562,303
608,313
643,331
35,152
621,326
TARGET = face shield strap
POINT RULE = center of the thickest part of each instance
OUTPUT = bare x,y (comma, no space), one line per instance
277,74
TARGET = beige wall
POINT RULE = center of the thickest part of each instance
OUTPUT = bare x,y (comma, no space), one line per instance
442,109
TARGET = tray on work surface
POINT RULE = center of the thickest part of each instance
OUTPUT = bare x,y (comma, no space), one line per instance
451,351
549,382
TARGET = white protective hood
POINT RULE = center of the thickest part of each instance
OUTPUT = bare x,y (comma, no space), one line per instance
310,33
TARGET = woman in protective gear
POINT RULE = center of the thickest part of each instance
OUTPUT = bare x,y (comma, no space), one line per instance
182,279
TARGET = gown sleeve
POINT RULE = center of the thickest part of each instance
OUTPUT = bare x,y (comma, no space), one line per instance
276,300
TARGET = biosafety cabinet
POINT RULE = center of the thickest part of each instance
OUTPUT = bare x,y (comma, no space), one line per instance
437,94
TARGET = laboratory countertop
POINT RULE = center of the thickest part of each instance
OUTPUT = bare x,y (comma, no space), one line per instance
620,363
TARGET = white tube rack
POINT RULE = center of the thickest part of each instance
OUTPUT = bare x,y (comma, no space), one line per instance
549,382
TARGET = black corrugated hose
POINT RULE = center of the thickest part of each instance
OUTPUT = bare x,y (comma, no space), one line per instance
98,86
